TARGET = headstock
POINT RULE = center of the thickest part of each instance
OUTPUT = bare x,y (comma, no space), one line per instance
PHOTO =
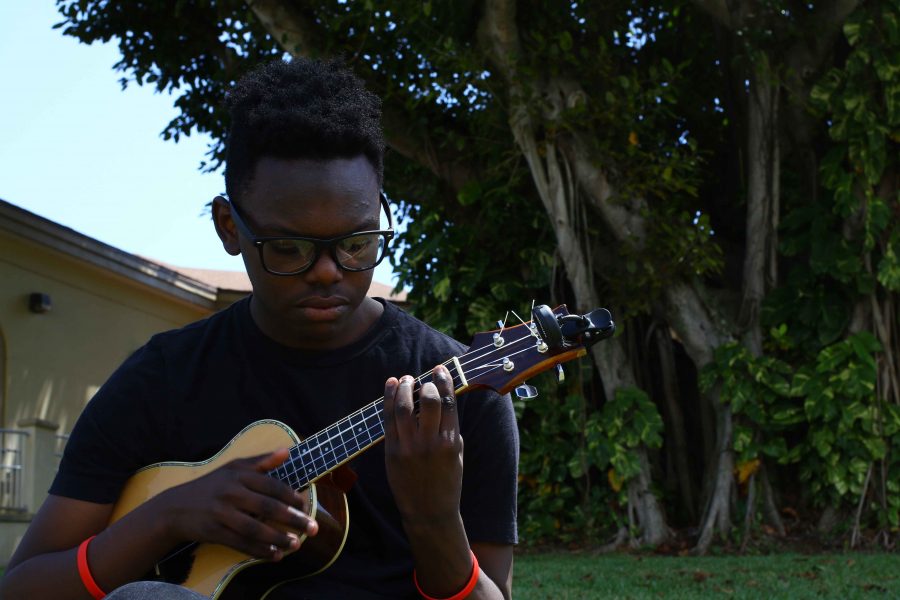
504,358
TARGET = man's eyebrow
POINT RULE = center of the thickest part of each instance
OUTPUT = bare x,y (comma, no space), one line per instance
277,231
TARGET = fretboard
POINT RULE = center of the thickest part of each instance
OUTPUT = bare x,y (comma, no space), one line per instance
328,449
335,445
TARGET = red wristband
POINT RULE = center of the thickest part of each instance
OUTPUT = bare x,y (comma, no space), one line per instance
463,593
85,572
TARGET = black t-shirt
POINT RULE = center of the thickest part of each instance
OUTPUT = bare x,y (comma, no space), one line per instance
188,392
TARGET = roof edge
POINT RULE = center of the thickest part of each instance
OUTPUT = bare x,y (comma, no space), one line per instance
35,228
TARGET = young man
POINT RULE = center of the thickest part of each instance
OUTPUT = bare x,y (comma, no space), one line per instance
304,168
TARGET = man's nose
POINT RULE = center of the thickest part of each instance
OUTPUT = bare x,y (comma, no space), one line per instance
325,269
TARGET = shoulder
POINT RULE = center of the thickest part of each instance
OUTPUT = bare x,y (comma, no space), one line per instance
417,331
148,371
176,346
218,322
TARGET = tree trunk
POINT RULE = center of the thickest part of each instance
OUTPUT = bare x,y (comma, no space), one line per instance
763,187
768,497
717,516
558,190
654,530
675,429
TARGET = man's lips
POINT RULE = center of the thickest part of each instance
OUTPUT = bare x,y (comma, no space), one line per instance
322,302
331,308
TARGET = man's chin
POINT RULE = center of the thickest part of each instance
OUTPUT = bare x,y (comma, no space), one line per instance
304,326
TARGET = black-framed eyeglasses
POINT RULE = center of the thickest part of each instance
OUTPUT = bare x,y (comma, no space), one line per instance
292,255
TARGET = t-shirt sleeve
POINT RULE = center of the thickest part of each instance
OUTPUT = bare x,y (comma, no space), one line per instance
117,431
490,468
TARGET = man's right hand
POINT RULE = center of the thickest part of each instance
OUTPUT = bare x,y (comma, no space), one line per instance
240,506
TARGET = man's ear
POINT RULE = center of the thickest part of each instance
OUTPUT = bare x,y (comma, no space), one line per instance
225,227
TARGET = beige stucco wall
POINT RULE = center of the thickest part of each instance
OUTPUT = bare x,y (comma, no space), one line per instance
105,304
52,363
55,361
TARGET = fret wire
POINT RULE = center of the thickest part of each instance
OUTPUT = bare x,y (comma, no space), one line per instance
312,470
291,456
345,444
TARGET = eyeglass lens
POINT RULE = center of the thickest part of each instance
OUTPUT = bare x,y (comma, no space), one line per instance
354,253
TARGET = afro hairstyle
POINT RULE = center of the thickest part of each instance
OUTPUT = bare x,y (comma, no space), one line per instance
300,108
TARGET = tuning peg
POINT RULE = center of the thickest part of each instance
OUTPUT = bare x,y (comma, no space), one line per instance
526,392
560,374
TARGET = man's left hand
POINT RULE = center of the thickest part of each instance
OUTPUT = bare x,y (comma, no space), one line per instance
424,450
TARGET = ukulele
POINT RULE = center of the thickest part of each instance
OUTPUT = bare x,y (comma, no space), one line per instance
501,360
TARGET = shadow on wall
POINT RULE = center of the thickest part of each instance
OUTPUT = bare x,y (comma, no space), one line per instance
2,378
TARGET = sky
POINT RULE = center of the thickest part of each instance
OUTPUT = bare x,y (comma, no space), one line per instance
78,150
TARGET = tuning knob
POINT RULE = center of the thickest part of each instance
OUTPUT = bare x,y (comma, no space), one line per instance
526,392
548,327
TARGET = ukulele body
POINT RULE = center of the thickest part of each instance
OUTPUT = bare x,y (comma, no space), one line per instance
219,572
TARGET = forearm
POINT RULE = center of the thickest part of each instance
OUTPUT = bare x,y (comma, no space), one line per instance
121,553
443,560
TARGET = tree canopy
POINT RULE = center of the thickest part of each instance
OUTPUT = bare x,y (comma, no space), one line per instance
722,175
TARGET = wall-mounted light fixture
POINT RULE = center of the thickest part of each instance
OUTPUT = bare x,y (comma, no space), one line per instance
39,303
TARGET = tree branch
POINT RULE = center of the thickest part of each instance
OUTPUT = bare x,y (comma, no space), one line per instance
414,144
830,16
498,34
287,25
718,10
299,36
623,218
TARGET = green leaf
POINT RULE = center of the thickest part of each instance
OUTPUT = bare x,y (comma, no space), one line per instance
470,193
889,269
441,289
821,440
876,446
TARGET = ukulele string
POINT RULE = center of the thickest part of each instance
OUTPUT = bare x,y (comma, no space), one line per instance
311,471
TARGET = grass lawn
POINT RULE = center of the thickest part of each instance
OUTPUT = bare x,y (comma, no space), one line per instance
571,576
563,576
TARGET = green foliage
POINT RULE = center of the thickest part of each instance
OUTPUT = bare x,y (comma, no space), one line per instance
682,246
627,422
862,101
633,117
850,240
558,502
850,429
825,417
841,248
762,397
464,277
576,461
